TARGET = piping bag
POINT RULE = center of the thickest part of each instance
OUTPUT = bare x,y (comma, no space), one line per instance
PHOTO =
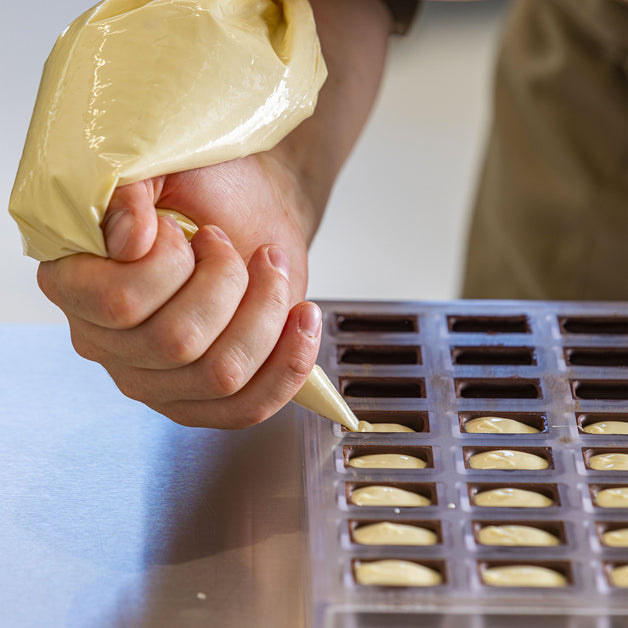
135,89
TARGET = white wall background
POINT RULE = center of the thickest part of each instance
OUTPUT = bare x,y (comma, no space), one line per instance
397,218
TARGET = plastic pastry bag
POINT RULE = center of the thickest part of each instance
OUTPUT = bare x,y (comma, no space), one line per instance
134,89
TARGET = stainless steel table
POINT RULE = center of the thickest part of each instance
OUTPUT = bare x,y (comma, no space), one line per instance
113,516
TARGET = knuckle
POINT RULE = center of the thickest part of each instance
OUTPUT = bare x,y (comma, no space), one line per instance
121,307
179,342
228,374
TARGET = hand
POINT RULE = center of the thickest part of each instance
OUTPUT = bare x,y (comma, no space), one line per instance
215,333
211,333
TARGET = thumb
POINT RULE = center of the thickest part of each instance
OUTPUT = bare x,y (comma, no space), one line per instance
130,224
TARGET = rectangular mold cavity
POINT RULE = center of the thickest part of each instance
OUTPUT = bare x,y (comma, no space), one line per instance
498,388
382,387
601,527
377,323
537,420
488,324
429,524
594,325
594,489
585,419
541,452
556,528
549,490
600,389
485,356
353,451
426,489
588,452
436,565
379,354
608,567
604,357
414,419
563,567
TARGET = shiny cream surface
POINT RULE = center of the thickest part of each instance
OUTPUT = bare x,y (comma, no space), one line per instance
387,461
389,533
523,576
507,459
396,573
512,498
607,427
497,425
616,538
386,496
136,88
612,497
609,462
515,535
365,426
619,576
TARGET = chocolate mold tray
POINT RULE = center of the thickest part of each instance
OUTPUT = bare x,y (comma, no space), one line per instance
557,367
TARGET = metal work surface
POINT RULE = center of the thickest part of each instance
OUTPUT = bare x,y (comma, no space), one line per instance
111,515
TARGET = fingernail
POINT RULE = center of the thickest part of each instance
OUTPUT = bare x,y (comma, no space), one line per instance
310,319
279,260
220,233
118,228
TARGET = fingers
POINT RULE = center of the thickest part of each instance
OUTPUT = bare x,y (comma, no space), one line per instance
119,295
229,356
130,224
182,330
274,385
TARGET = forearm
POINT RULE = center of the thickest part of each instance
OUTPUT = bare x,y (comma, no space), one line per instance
354,36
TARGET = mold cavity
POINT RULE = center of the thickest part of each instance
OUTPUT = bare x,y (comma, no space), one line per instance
603,420
605,459
555,528
415,420
489,324
523,356
593,356
614,325
399,572
537,420
355,451
609,495
617,574
612,533
498,389
426,490
549,573
379,355
503,490
433,526
382,387
377,323
542,453
600,389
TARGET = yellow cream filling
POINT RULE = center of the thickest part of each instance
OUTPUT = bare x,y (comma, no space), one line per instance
396,573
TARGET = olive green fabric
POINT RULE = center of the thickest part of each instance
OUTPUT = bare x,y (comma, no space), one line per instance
551,213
